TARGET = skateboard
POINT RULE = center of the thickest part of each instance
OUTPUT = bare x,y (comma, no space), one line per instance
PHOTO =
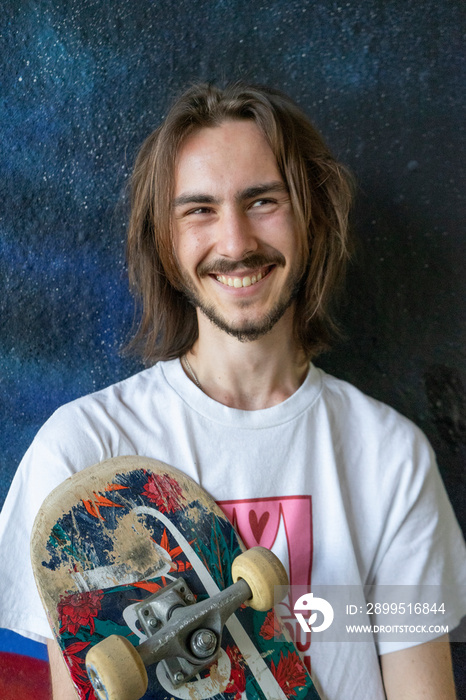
149,592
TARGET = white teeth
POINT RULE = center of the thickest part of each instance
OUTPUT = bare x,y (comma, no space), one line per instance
238,282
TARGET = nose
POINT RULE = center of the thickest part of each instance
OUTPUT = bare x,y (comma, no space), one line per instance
235,236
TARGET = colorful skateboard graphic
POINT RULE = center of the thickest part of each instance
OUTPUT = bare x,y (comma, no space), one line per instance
113,535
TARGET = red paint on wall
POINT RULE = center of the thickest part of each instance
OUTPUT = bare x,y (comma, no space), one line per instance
23,678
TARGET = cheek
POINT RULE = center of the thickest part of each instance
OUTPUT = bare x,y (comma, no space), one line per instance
295,239
190,249
282,232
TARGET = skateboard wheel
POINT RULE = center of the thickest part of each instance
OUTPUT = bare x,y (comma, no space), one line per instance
262,571
116,670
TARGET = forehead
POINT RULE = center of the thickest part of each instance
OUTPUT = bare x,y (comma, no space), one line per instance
231,156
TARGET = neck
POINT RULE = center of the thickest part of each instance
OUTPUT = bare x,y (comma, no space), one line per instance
247,375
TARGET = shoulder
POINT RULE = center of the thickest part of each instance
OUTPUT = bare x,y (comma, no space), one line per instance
380,445
88,430
352,409
125,395
100,425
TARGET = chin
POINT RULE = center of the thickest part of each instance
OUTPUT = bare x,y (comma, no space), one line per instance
250,330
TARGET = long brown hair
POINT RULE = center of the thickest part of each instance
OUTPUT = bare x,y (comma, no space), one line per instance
320,191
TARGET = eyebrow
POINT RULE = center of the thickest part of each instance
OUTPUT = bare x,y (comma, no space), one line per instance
194,198
248,193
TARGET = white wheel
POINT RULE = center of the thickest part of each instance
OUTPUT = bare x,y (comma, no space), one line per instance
116,670
262,571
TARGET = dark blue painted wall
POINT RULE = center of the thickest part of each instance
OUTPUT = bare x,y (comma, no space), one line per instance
83,82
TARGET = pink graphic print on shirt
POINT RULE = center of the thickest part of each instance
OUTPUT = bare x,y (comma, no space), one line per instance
258,520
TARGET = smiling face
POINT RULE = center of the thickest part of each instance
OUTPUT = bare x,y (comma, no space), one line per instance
235,235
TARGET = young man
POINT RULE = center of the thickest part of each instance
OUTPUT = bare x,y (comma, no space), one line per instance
237,240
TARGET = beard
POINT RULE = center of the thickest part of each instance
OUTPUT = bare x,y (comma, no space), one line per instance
248,330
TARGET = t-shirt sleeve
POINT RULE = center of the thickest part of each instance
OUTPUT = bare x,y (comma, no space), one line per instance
420,565
62,447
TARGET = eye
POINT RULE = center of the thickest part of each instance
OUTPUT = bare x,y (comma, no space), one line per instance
263,203
198,210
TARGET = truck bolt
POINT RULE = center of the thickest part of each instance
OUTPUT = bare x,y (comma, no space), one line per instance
203,643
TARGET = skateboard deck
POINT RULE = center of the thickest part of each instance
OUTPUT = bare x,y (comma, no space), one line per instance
118,532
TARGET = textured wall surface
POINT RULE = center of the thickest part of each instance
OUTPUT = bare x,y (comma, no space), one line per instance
82,82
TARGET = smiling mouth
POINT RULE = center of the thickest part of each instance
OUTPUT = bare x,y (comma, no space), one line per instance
243,281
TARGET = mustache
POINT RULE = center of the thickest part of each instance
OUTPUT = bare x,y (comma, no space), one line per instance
252,261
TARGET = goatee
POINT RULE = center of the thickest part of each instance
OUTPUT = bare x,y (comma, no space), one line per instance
249,330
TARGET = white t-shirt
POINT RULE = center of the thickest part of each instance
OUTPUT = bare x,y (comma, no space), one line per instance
341,487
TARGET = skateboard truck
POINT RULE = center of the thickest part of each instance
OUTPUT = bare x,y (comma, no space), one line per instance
183,635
